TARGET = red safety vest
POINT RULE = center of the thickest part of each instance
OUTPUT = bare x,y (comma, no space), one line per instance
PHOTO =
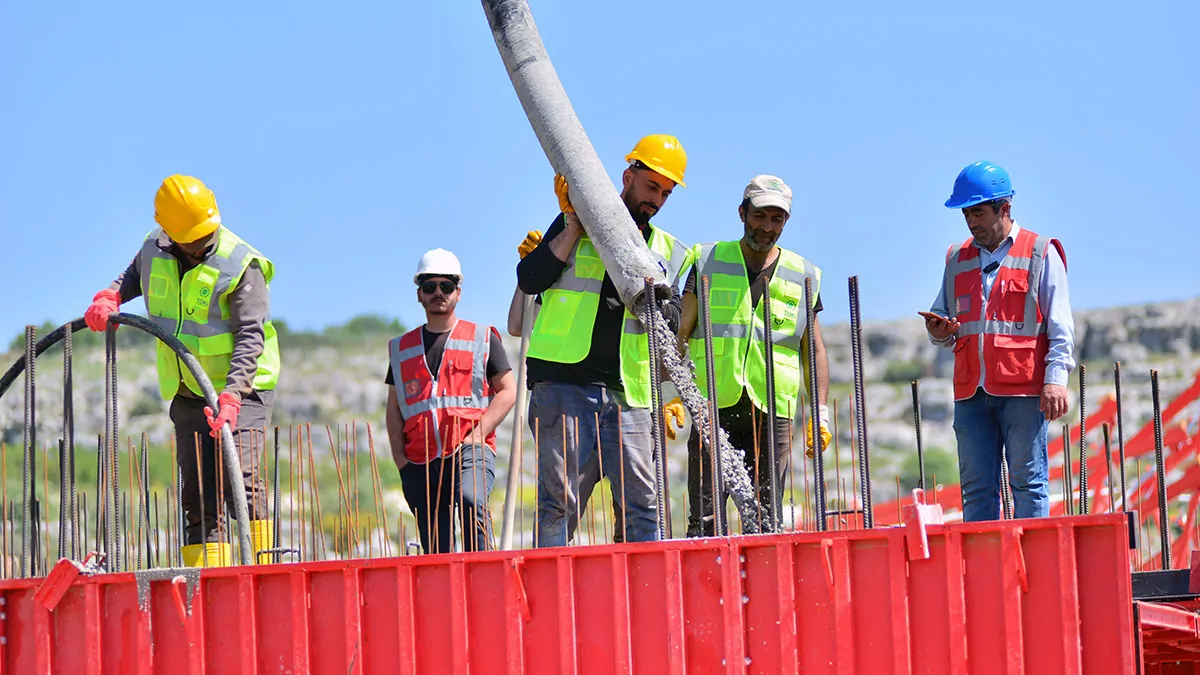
1009,322
441,413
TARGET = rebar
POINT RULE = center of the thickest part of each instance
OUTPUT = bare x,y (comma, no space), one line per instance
860,404
1108,466
769,365
658,438
144,495
1005,487
29,463
1083,445
916,397
276,520
113,529
1164,529
814,419
714,445
1120,432
1068,468
68,541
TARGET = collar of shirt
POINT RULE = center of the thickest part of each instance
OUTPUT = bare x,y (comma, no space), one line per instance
986,256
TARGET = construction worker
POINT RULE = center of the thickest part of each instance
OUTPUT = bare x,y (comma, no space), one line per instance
588,366
1004,309
442,427
736,270
205,285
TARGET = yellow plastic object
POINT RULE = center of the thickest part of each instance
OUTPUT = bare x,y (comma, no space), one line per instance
218,555
673,412
262,538
186,209
663,154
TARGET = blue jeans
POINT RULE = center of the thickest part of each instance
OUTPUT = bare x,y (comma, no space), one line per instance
564,418
983,425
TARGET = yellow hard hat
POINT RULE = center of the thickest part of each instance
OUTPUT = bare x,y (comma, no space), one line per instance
662,154
186,209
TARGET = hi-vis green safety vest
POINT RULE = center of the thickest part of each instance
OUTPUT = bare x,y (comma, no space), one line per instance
562,332
195,309
740,361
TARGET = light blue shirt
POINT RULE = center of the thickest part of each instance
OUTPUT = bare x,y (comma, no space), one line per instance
1053,300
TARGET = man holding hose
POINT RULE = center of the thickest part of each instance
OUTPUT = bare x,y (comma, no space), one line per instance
588,363
209,288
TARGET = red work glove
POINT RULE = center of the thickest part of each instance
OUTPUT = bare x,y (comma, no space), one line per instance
104,303
230,405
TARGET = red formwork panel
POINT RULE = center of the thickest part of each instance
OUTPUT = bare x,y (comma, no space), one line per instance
1168,636
1039,596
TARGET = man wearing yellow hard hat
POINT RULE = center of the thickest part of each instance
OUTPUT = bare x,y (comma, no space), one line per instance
588,364
204,285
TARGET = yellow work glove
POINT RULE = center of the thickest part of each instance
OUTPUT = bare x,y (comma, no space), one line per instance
673,410
531,241
826,437
560,189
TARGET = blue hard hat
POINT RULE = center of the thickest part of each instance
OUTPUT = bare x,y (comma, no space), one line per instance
979,182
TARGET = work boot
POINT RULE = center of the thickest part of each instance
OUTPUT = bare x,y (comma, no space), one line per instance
262,538
212,554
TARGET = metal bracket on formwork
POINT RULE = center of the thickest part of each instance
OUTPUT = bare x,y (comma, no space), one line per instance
190,576
916,517
64,573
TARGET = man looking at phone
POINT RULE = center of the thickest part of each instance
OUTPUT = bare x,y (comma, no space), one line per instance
1004,309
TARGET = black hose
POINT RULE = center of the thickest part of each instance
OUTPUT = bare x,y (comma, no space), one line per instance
229,448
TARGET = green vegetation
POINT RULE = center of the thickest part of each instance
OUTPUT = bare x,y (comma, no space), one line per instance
905,371
939,462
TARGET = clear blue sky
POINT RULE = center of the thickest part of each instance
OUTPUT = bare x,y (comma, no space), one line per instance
345,139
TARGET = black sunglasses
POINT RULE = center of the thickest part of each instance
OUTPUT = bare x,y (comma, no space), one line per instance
430,287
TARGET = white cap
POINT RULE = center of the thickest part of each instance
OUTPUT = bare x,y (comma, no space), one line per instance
765,190
438,262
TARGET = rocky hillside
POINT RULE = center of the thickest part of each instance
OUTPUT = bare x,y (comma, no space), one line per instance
339,379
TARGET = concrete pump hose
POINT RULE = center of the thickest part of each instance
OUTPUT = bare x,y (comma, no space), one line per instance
233,463
604,216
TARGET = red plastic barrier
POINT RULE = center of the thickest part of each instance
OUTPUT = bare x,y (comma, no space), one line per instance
1041,596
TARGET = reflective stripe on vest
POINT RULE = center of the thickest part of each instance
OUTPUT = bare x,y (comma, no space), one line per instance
1002,336
445,407
194,307
738,332
562,332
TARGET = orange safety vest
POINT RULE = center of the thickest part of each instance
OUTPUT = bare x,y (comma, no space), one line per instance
441,413
1006,333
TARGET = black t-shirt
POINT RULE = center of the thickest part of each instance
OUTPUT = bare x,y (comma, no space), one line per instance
435,346
754,277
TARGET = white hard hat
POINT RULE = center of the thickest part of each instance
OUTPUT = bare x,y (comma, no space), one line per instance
439,262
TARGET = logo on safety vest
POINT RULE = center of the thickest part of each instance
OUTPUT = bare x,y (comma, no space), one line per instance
962,304
412,388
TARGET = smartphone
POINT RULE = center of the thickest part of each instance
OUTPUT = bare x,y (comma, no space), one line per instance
931,315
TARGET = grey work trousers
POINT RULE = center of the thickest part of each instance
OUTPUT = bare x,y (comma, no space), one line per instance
199,494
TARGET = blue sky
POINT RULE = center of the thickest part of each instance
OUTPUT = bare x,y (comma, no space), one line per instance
345,139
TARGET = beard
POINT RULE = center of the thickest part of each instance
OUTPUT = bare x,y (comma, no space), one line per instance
641,212
438,305
755,238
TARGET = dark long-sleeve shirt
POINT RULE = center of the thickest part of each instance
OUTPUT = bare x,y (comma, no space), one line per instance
537,272
249,306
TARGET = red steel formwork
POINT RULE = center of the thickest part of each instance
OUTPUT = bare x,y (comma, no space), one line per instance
1039,596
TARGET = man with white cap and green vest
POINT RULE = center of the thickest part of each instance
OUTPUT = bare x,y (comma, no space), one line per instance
588,363
736,270
209,288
